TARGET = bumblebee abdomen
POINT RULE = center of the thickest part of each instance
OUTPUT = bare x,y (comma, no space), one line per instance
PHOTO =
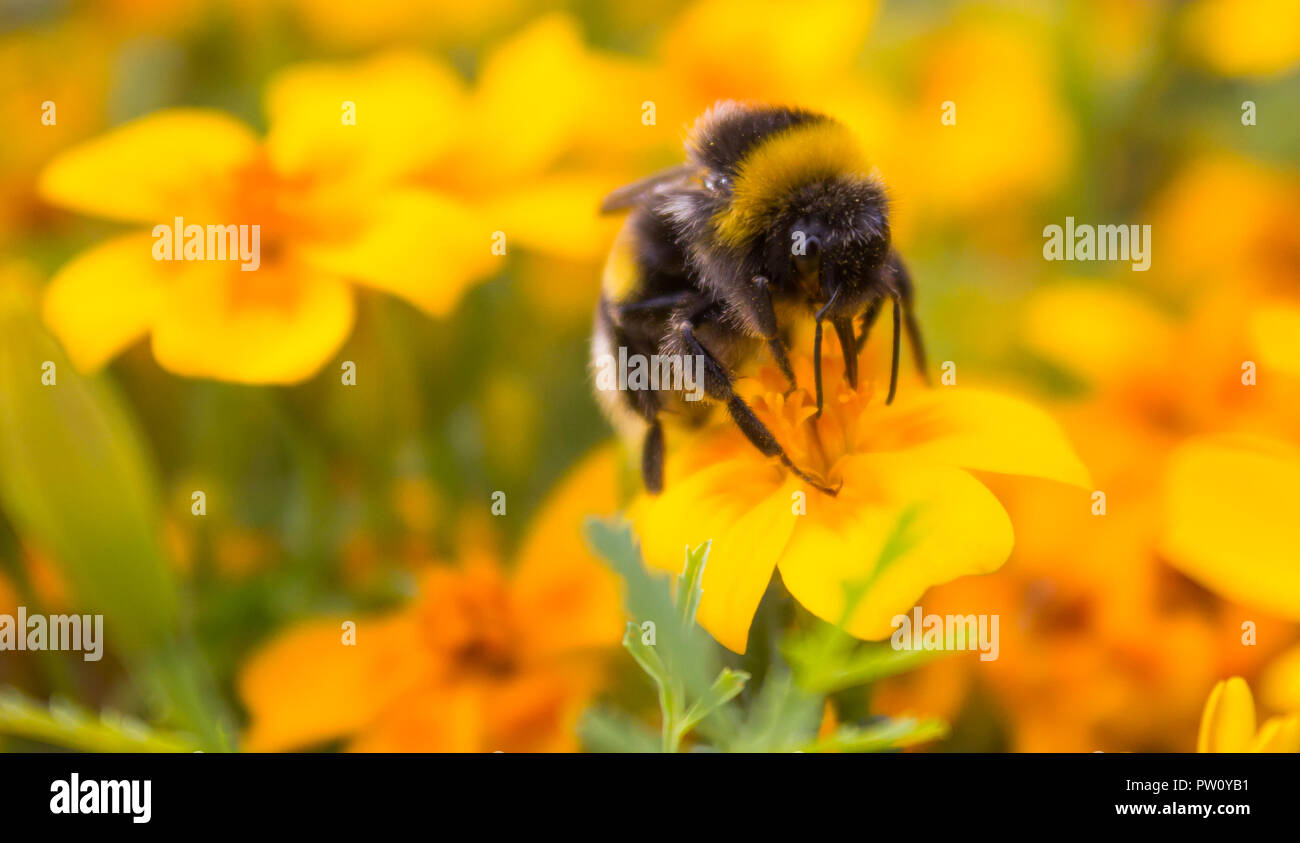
621,278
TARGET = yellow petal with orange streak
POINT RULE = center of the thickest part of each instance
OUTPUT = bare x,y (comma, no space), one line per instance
179,162
952,526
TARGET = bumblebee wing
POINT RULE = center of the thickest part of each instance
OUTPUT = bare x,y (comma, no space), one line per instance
632,194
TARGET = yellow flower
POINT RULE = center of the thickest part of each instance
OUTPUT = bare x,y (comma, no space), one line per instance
1280,683
1244,37
1228,724
1012,138
328,198
482,661
1230,521
909,460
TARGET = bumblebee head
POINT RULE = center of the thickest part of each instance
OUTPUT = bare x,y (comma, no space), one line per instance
792,194
828,242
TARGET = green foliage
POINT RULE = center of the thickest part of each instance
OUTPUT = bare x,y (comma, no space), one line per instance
75,481
784,714
64,724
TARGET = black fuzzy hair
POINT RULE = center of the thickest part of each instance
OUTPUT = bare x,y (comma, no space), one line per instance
729,130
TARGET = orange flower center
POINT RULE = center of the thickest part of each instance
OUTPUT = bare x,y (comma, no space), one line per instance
469,620
817,445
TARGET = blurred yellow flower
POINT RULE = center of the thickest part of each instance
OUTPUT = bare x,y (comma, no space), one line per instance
1280,684
1230,520
389,173
329,203
1010,138
482,661
911,460
1253,250
1104,644
1228,724
1243,37
764,50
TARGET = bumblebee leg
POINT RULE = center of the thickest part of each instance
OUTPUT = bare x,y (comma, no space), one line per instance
902,282
652,457
817,349
914,339
869,319
645,404
817,366
765,312
844,328
718,385
898,336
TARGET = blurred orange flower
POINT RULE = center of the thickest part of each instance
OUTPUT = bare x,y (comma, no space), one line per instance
481,661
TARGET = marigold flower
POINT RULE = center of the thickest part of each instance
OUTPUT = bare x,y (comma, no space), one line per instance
412,197
1243,37
330,205
483,660
1228,724
910,460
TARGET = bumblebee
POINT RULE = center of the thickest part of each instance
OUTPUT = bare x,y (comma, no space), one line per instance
773,218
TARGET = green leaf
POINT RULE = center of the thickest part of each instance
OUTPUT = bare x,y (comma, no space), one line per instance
687,651
724,689
688,583
884,735
63,724
783,716
606,730
645,655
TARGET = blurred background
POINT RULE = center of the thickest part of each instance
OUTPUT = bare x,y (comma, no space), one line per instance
323,502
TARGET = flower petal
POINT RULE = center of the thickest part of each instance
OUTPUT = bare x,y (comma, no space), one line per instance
1275,336
954,526
176,162
1228,722
422,246
1230,519
1278,734
307,686
529,101
406,109
1098,333
1279,687
557,216
105,298
744,506
557,577
432,718
974,429
277,324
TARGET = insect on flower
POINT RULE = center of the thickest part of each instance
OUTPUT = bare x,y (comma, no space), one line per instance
773,218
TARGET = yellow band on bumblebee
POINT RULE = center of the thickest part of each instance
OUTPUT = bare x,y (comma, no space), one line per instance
785,162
